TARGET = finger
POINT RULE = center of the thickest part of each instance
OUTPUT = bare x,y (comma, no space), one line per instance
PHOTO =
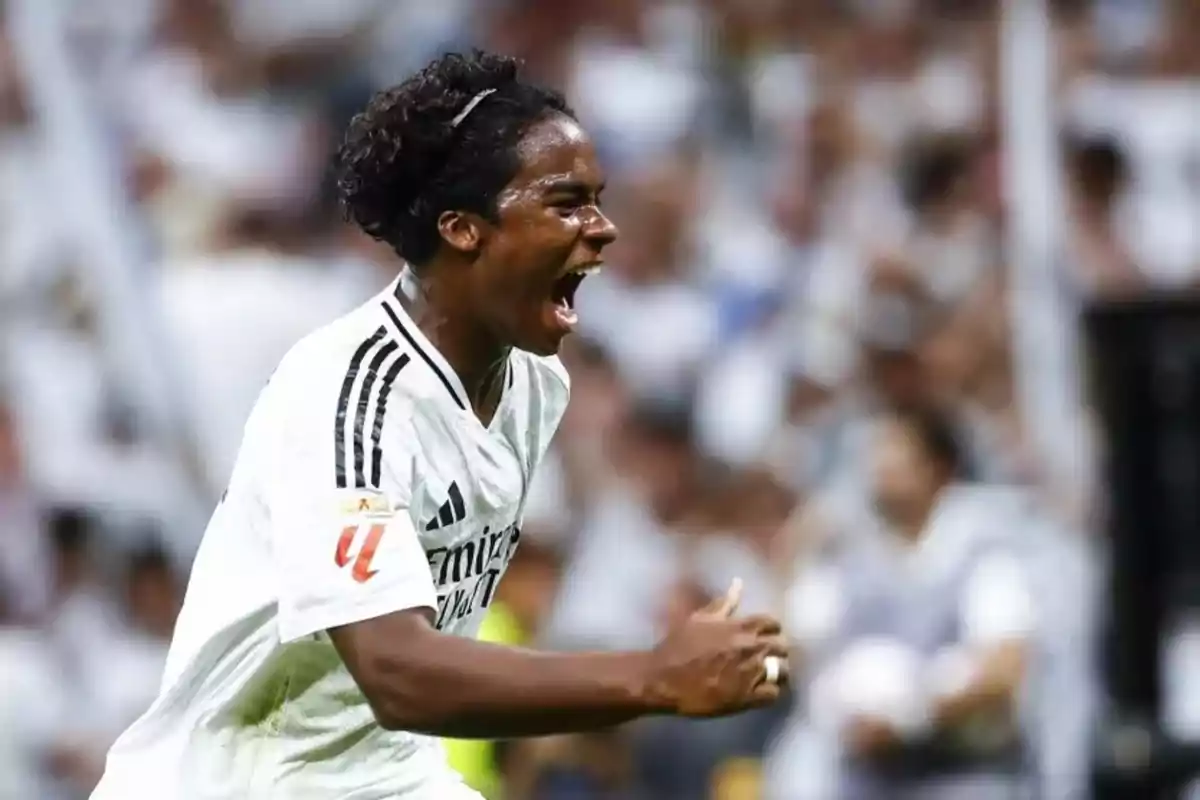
755,649
782,670
727,605
785,674
765,694
774,646
761,624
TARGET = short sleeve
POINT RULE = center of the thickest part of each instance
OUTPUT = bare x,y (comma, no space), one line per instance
342,555
997,604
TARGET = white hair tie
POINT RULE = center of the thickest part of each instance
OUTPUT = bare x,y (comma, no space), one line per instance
470,106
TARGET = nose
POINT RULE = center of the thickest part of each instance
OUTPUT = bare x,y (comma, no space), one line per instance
600,231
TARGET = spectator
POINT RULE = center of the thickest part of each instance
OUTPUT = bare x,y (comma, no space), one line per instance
1098,177
914,631
952,245
137,653
628,557
24,557
30,706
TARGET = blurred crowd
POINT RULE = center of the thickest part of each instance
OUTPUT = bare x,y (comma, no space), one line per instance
797,367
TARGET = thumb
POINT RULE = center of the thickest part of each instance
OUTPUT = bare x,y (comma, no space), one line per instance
727,605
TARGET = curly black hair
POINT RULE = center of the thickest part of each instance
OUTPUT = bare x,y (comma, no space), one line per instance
403,162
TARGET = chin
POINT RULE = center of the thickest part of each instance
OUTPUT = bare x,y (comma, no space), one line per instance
536,337
543,347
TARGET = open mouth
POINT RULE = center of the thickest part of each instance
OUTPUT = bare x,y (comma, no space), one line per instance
562,295
565,288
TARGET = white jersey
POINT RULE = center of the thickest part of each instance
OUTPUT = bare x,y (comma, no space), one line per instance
365,485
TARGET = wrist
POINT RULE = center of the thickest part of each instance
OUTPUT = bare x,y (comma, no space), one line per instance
647,687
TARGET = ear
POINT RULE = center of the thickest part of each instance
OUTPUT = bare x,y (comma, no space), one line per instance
460,230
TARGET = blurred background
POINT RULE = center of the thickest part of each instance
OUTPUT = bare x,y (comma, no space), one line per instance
898,330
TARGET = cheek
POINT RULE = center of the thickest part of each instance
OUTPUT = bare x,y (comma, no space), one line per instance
529,254
503,285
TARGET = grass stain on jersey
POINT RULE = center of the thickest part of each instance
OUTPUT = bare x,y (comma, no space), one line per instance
296,669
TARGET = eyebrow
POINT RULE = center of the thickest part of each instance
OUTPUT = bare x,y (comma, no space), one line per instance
573,186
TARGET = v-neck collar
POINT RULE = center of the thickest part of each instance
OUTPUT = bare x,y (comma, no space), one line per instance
408,329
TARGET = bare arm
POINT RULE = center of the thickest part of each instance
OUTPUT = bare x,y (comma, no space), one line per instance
461,688
993,689
420,680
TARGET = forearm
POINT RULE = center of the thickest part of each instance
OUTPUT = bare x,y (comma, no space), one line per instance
460,688
992,690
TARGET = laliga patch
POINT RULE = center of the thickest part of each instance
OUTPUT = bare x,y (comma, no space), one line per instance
364,503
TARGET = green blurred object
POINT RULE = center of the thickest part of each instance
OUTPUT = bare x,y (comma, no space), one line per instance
475,759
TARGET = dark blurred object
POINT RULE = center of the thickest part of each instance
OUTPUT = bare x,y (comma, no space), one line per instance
957,9
682,758
1145,366
935,170
152,590
1098,168
661,423
590,766
1099,173
1070,9
71,534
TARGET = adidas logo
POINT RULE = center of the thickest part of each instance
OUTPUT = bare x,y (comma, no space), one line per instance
452,511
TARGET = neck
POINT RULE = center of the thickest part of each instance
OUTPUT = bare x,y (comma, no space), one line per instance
1094,212
913,526
910,530
476,356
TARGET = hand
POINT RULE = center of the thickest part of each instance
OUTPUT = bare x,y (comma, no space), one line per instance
713,664
871,737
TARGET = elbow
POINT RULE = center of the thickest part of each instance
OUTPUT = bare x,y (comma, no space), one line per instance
389,711
404,672
403,698
394,712
425,719
397,708
391,719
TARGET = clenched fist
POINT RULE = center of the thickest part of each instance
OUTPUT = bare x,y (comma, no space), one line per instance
715,664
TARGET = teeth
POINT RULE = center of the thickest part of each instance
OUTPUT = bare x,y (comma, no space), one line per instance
585,270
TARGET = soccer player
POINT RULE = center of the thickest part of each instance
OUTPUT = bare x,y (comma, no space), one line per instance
326,638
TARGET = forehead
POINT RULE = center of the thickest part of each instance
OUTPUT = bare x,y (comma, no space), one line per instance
555,150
